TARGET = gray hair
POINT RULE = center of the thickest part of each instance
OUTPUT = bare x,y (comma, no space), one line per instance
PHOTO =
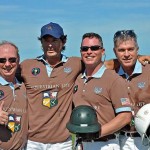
124,35
12,44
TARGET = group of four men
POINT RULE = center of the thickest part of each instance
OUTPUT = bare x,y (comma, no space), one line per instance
40,110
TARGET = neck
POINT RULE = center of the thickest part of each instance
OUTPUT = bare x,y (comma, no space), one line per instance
91,70
129,70
53,60
12,79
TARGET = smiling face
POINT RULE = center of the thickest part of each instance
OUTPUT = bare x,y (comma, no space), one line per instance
127,53
91,58
126,49
9,62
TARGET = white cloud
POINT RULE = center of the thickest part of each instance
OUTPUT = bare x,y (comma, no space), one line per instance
9,8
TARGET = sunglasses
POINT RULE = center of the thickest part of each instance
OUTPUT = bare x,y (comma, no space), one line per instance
93,48
125,33
11,60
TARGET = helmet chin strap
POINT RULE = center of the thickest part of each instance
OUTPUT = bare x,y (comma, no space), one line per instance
147,137
146,140
79,144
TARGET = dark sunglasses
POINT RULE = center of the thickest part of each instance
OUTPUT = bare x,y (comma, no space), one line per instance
11,60
124,33
93,48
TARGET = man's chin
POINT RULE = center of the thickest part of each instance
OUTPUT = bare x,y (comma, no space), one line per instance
7,74
128,65
51,54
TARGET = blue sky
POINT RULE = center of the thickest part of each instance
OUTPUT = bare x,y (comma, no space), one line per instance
21,21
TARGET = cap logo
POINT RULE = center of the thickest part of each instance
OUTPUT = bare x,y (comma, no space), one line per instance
49,28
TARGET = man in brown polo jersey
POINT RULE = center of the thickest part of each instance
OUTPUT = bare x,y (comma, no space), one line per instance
13,102
138,77
49,80
105,91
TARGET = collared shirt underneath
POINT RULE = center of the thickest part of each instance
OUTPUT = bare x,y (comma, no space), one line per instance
48,67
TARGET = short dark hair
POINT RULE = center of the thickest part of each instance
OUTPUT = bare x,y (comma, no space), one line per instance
91,35
63,38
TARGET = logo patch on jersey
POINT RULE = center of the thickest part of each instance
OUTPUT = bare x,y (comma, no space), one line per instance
67,69
125,101
97,90
75,89
14,122
141,85
50,99
1,94
35,71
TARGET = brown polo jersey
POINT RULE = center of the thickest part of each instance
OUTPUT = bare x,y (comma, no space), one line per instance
50,98
13,136
105,91
139,88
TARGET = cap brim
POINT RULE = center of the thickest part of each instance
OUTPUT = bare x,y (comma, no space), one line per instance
54,35
87,129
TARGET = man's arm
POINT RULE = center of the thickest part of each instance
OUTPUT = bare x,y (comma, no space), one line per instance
144,59
114,63
116,124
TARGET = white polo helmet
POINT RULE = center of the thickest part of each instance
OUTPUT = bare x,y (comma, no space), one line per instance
142,123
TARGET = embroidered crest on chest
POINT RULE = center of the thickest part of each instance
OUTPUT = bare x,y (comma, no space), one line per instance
97,90
35,71
67,69
141,85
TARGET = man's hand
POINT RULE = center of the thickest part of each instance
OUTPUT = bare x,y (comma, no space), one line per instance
144,59
3,115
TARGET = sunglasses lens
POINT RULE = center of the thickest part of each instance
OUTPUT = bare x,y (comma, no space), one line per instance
2,60
84,48
11,60
95,48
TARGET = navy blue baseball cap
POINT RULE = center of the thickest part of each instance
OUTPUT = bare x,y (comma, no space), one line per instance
52,29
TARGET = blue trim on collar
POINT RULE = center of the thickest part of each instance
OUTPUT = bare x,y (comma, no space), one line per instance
64,58
98,74
4,82
137,69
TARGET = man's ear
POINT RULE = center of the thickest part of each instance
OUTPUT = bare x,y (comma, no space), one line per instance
114,51
103,52
137,50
